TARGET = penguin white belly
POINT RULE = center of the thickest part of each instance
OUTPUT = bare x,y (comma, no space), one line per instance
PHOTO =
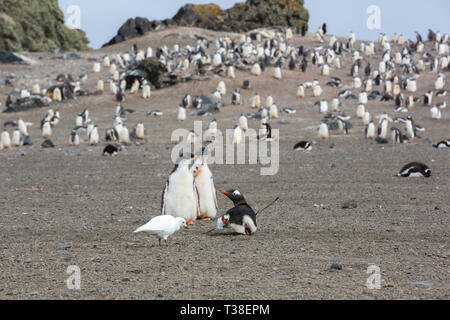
181,197
205,187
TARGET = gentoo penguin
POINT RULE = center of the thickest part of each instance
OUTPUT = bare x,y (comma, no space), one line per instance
231,74
124,135
266,132
96,67
181,116
5,140
110,150
163,227
256,101
415,169
243,122
303,145
246,85
205,186
256,70
74,139
428,98
100,86
383,128
241,219
443,144
273,111
317,91
146,91
222,88
16,140
46,130
397,136
236,97
440,82
301,92
360,111
367,118
140,131
21,125
180,195
323,132
370,131
237,135
410,128
277,73
269,101
192,137
211,131
93,136
335,104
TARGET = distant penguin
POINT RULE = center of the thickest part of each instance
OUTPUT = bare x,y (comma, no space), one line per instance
191,137
231,74
277,73
256,70
100,86
140,131
221,87
236,97
301,92
269,101
323,132
5,140
415,169
396,136
241,219
273,111
110,150
256,101
205,185
370,131
317,91
97,67
74,139
237,135
410,129
303,145
22,127
124,136
443,144
16,140
46,130
94,137
180,195
383,128
146,91
360,111
181,116
367,118
243,123
436,113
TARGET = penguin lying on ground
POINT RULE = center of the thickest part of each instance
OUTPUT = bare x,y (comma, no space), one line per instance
415,169
442,144
241,219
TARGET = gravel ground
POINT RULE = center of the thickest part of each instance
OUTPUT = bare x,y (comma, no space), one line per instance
72,206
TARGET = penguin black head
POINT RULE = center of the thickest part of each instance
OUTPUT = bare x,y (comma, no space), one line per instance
234,195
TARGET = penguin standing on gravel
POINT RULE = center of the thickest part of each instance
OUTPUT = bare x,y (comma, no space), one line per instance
205,185
180,195
241,219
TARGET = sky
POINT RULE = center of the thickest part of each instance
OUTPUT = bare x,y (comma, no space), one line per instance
101,19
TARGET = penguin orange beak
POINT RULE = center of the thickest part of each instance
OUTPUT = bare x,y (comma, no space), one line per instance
224,192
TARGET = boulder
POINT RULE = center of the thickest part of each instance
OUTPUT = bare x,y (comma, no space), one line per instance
9,57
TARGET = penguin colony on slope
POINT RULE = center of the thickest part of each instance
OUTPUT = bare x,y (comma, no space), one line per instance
189,193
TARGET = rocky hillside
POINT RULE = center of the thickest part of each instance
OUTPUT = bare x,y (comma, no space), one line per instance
242,17
37,25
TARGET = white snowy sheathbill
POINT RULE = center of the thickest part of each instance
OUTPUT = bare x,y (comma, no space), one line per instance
180,196
162,227
205,186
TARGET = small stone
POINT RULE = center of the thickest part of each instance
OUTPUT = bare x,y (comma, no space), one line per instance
438,207
63,246
336,266
423,283
28,260
349,205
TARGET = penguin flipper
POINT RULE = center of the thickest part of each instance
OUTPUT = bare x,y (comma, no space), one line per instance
214,193
164,198
197,199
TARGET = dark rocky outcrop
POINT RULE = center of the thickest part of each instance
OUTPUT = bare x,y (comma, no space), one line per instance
243,17
37,25
9,57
